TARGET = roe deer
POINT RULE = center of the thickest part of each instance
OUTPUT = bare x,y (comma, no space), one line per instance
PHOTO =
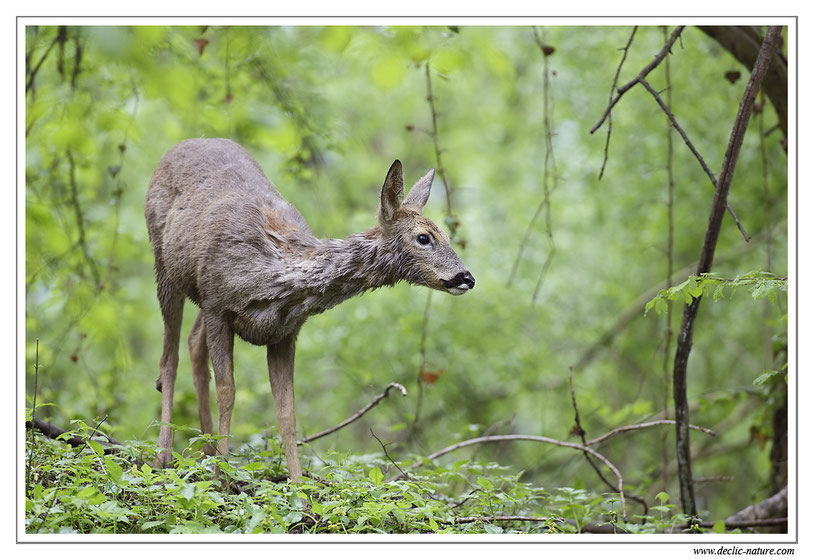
224,237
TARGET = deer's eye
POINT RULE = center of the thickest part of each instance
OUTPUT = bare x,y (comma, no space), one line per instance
423,239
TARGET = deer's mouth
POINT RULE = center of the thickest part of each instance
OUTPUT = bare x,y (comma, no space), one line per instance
460,284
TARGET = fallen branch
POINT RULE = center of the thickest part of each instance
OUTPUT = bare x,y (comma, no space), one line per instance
770,508
612,528
358,415
524,437
53,432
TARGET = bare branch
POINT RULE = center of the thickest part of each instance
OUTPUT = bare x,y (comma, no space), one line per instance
642,426
438,150
684,343
689,144
581,433
356,416
642,75
539,439
610,99
386,454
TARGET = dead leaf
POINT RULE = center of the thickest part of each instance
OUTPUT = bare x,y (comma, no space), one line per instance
430,377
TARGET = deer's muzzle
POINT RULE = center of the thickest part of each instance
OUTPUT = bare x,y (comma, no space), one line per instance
460,284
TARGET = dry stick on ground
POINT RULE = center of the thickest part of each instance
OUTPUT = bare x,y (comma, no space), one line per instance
612,528
581,433
358,415
53,432
640,79
610,99
684,343
524,437
772,507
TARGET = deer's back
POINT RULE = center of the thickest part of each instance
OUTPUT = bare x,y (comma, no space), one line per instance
209,210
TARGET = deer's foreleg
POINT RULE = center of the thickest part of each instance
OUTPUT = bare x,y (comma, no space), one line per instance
281,376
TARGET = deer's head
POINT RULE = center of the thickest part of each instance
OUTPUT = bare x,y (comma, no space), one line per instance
427,257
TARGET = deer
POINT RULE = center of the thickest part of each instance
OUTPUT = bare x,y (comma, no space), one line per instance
225,238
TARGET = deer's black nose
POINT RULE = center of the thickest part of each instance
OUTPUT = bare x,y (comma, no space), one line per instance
462,281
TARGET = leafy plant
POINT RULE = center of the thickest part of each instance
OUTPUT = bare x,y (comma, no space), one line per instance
759,284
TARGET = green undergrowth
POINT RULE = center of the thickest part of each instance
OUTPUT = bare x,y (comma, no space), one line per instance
82,490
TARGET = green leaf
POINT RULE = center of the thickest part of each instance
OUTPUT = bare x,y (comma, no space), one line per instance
485,483
151,524
113,469
663,497
694,288
719,292
187,491
376,475
96,446
719,526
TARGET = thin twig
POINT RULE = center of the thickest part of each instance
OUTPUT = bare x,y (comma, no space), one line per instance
684,343
80,220
435,143
642,426
549,179
689,144
610,99
581,433
33,72
524,437
358,415
642,75
386,454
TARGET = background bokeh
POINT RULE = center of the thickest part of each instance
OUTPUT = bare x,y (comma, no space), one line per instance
325,110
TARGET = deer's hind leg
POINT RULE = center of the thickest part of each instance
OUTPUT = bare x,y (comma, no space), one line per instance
172,310
220,341
199,358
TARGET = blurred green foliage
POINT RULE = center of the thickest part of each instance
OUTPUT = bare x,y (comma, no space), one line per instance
325,110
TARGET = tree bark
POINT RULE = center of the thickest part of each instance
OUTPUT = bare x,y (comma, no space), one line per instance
743,42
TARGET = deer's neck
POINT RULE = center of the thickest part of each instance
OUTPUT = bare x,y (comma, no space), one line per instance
336,269
313,277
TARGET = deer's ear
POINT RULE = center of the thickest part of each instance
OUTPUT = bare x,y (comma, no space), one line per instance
392,193
420,192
